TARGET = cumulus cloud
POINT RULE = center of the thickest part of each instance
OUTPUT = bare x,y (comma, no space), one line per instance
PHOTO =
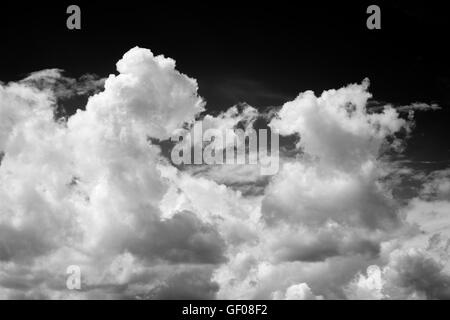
87,191
96,190
336,126
416,266
296,292
409,274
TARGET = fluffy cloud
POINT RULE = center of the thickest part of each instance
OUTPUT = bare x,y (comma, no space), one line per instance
87,191
297,292
416,266
96,190
336,126
409,274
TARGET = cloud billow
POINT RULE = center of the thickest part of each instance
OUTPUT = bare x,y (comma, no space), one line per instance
95,190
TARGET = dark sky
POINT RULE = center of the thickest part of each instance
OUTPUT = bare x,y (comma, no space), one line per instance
260,53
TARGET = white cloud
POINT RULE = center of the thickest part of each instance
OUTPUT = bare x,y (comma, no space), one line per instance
336,126
296,292
87,191
368,287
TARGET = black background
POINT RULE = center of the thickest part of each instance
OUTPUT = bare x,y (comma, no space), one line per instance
173,309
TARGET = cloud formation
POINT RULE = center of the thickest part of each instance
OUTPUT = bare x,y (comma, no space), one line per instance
96,190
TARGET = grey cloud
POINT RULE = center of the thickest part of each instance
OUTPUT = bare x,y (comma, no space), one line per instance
22,244
325,244
419,106
64,87
417,272
189,284
375,106
180,239
436,185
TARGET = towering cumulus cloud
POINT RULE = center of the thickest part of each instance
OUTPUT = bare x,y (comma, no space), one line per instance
96,190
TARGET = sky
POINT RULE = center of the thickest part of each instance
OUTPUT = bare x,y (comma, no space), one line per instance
359,206
259,53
